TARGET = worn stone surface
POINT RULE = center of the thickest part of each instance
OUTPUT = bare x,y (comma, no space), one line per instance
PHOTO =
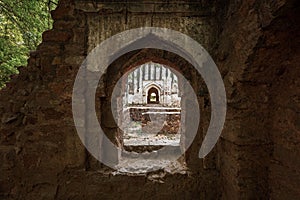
256,47
258,54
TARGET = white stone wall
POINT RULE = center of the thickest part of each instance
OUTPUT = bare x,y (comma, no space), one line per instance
151,75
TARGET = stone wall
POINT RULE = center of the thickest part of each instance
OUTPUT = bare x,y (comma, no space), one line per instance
256,47
41,153
171,124
258,54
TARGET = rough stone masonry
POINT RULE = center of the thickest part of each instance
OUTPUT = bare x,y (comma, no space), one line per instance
255,45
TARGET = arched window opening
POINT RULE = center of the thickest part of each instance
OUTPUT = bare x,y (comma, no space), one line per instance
152,96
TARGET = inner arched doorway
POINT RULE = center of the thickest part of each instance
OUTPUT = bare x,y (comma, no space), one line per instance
153,96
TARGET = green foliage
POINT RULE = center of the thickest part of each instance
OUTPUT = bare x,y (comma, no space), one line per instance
22,23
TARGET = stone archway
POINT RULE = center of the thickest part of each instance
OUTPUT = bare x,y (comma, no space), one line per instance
153,96
124,64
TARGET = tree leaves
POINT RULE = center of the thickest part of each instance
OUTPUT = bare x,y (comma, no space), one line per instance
22,23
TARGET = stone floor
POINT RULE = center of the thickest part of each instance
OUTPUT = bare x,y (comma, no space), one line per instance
144,148
147,139
141,166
